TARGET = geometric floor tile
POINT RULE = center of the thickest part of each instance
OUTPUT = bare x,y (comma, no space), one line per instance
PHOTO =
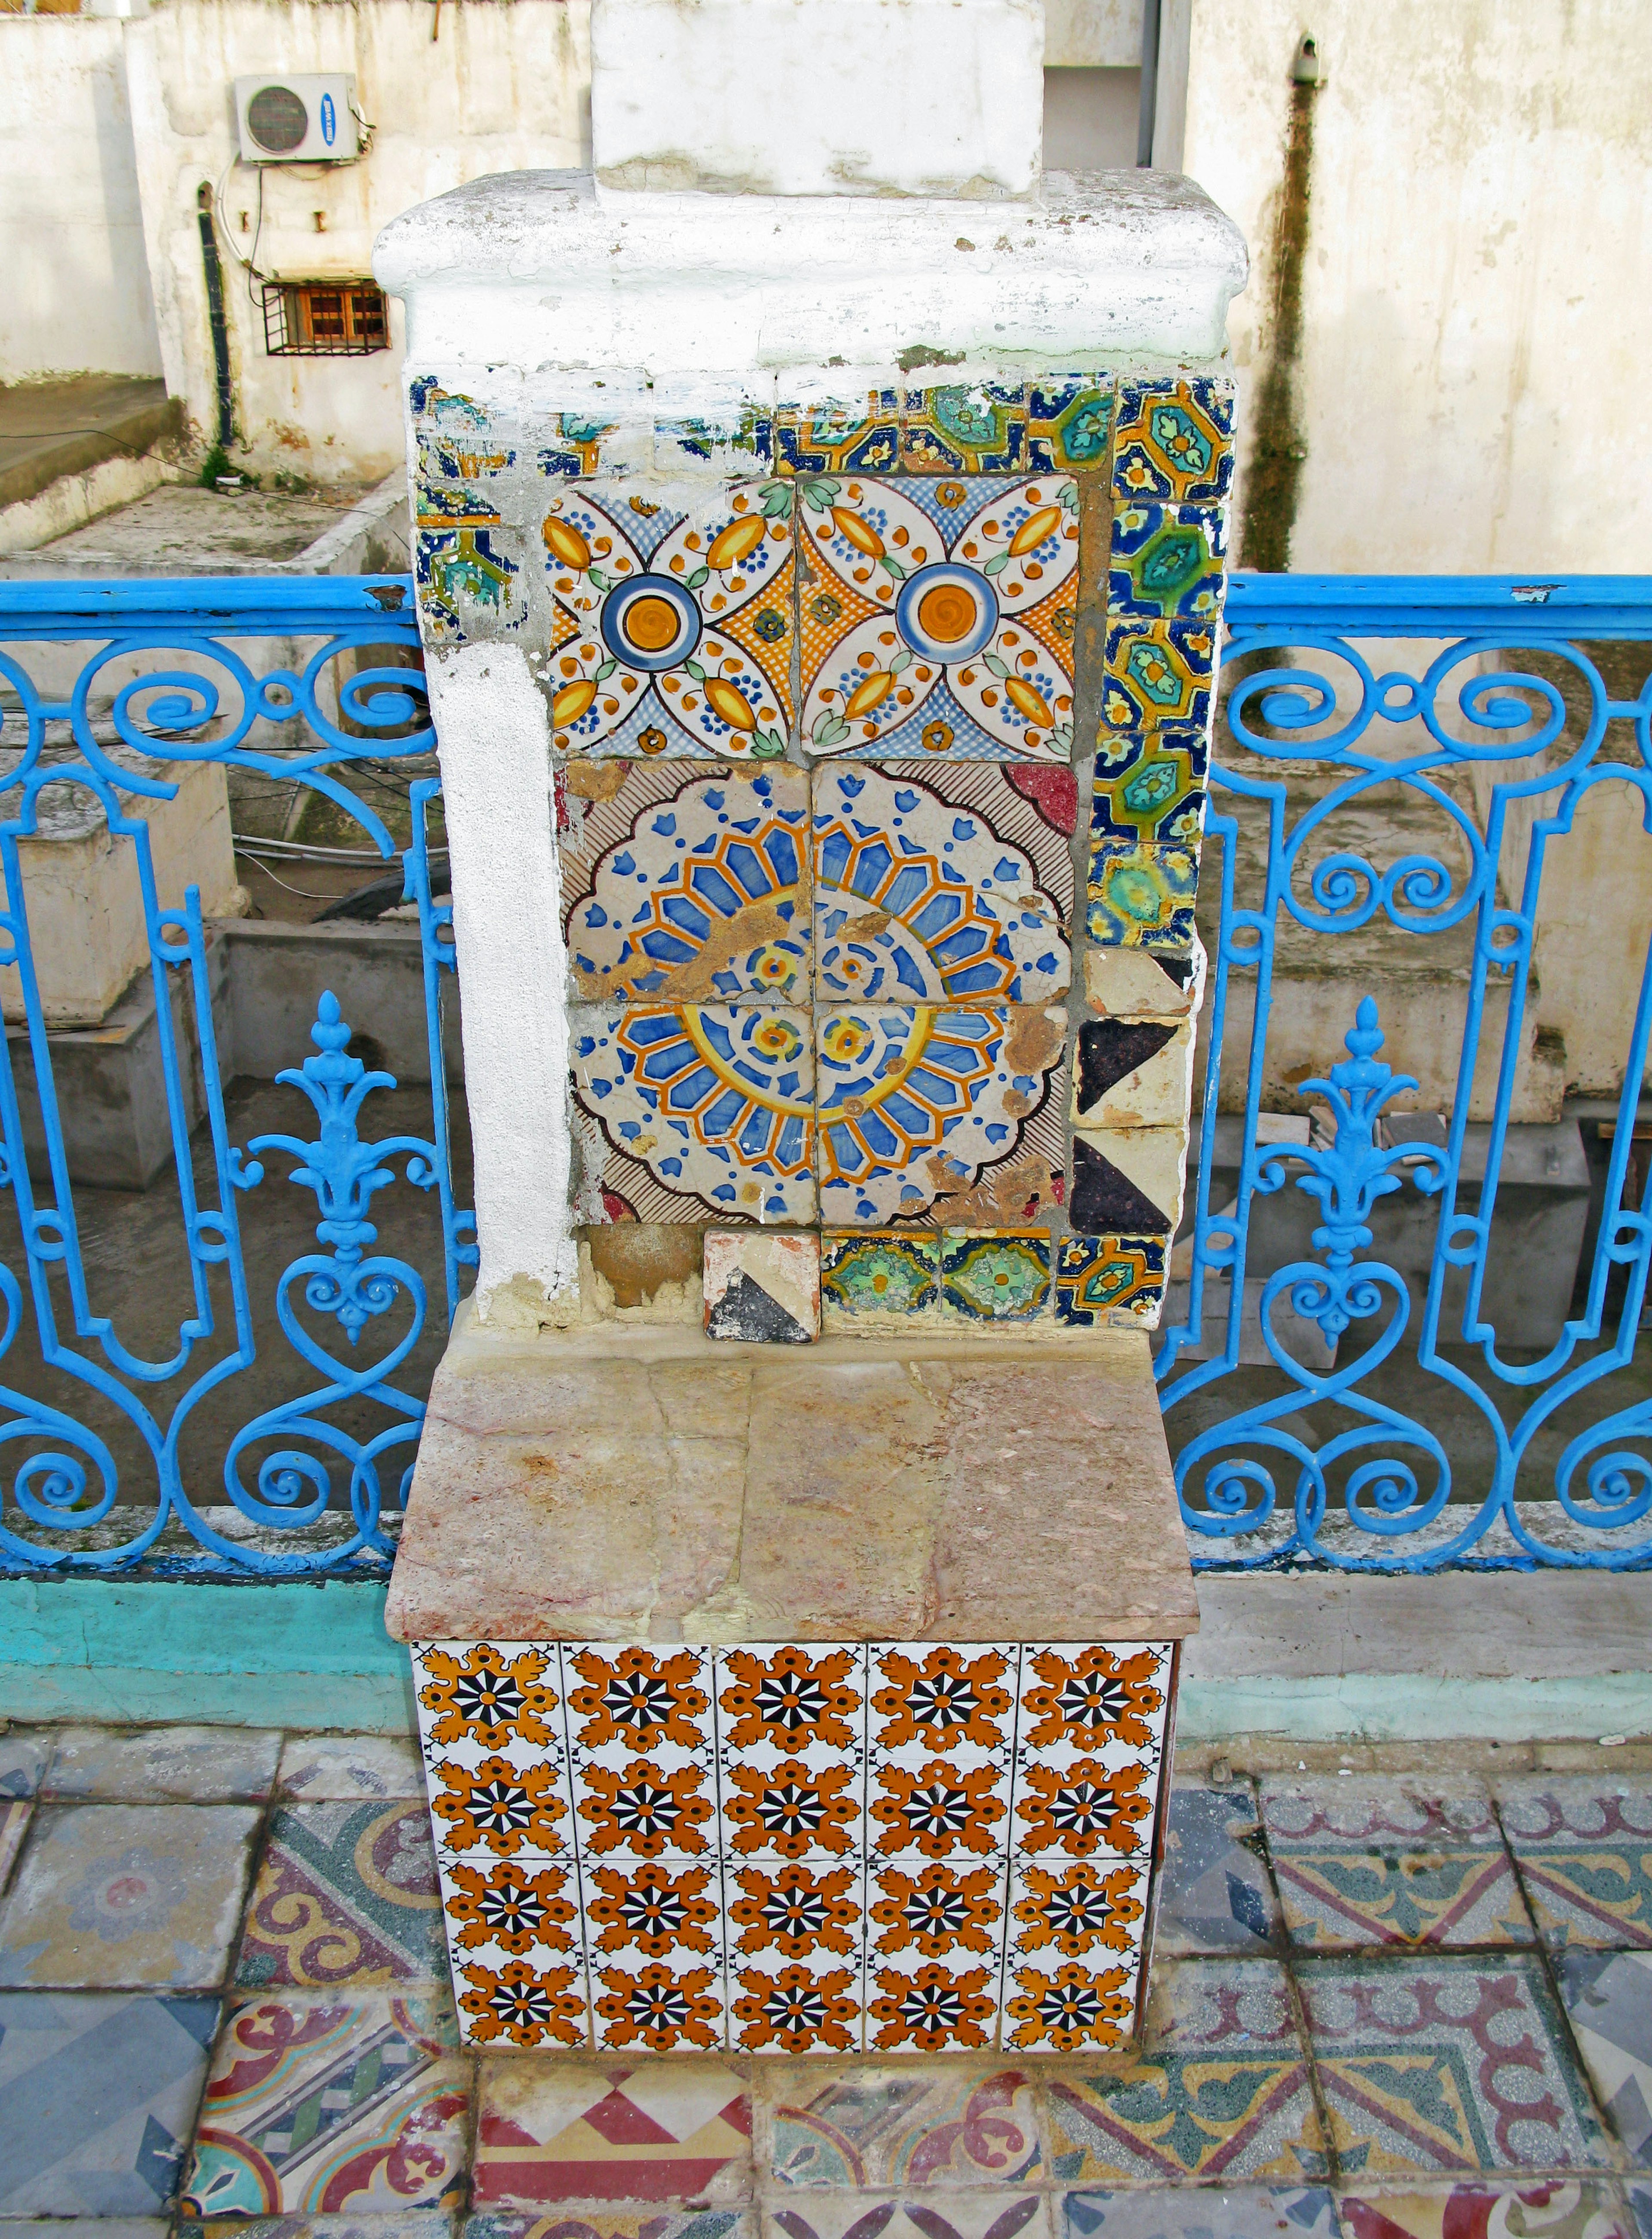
127,1895
96,2097
985,2214
1196,2212
24,1754
892,2127
346,1893
415,2223
606,2219
329,2104
555,2130
1214,1895
1389,1862
1434,2065
162,1764
325,1767
1584,1848
1561,2209
1609,1998
1218,2091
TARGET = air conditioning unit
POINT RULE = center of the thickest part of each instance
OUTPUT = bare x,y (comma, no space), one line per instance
307,118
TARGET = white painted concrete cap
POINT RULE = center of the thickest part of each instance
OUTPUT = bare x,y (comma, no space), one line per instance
818,97
543,271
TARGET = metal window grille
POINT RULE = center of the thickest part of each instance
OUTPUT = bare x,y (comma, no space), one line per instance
324,318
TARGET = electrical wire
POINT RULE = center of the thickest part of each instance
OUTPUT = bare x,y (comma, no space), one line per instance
304,893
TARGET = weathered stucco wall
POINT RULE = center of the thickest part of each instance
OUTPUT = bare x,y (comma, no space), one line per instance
1480,203
76,279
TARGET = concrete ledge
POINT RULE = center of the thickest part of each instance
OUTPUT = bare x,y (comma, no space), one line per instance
288,1653
1505,1655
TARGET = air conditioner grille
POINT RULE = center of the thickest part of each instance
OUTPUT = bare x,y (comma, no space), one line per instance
277,119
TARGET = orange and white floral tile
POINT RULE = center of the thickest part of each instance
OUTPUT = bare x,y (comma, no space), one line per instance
490,1727
641,1734
1074,1949
939,1740
1079,1699
657,2005
791,1728
795,2005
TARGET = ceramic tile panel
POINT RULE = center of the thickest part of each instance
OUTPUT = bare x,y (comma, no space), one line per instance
641,1748
334,2103
979,428
556,2132
942,882
671,630
866,1272
1157,672
654,1936
1173,440
1142,898
940,1116
938,616
1143,983
1128,1181
996,1275
1148,789
795,1930
792,1751
737,437
490,1726
456,437
685,886
762,1288
1133,1073
346,1892
514,1932
1101,1280
463,567
1073,1956
658,2005
702,1114
1168,561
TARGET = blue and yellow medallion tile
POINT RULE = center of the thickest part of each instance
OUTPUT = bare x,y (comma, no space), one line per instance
1174,440
1169,562
1157,672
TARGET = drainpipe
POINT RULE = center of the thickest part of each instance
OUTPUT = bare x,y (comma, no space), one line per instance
215,314
1151,11
1272,485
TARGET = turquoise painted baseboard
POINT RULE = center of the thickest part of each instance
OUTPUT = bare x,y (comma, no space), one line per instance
316,1657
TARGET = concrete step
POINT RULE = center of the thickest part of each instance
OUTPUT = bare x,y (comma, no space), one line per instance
70,450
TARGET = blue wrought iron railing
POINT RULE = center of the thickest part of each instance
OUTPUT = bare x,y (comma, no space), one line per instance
1398,763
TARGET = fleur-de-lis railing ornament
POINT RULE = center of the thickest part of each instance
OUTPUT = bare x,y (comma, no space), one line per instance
344,1170
1351,1172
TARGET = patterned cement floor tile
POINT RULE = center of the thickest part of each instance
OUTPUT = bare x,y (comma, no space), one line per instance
162,1764
923,2124
96,2098
416,2223
1390,1862
1584,1851
323,2104
1434,2065
988,2214
24,1754
615,2219
1215,1895
86,2227
127,1895
1609,1997
1201,2212
555,2130
346,1893
1556,2209
339,1768
1219,2091
16,1811
1639,2197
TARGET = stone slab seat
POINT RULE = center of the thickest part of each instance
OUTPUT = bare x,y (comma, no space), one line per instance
621,1483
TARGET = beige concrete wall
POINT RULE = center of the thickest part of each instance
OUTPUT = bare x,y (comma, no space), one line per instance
1475,330
76,285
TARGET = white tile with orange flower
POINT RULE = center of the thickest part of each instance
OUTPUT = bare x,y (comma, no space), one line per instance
937,615
491,1728
671,631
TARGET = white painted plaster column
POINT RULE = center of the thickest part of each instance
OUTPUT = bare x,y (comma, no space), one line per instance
495,752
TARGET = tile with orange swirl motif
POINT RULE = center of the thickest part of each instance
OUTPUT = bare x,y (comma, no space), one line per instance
938,615
490,1724
695,1113
1072,1960
1088,1751
684,885
670,632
